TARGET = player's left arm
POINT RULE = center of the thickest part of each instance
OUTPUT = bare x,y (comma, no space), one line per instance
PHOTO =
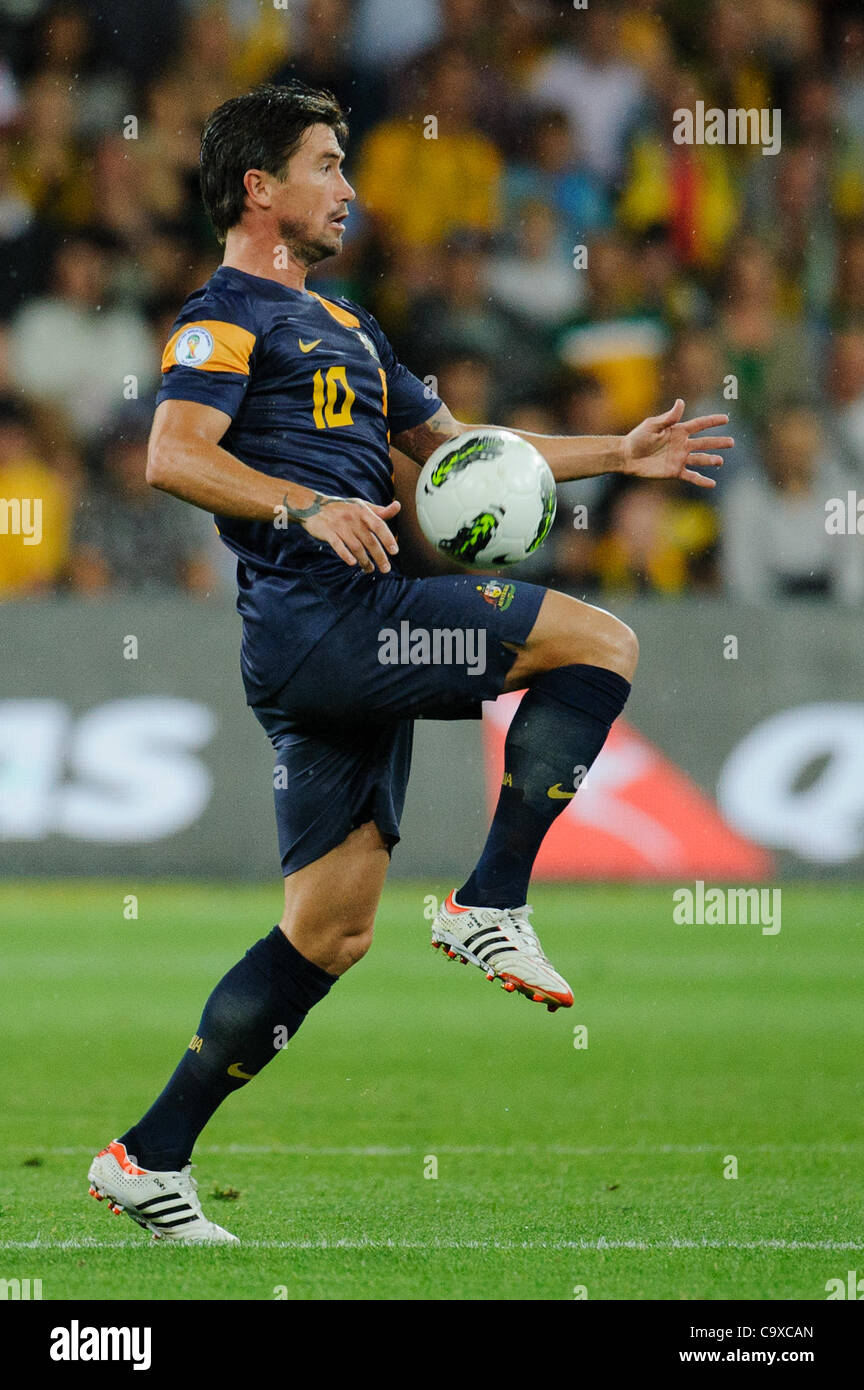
663,446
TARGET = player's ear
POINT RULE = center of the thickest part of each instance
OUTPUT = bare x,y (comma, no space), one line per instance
259,187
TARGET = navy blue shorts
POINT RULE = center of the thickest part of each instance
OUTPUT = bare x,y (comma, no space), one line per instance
342,725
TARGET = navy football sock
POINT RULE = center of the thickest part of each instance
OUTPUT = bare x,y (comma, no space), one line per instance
252,1012
556,733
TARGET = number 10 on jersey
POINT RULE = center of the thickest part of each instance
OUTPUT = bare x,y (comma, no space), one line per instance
332,398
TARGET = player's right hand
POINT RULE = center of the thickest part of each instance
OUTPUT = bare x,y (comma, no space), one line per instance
357,531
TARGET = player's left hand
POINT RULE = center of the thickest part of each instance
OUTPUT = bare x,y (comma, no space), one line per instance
663,446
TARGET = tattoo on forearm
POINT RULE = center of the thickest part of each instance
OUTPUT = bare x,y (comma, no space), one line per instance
303,513
422,440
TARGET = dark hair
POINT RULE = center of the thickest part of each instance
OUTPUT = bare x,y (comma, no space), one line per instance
259,130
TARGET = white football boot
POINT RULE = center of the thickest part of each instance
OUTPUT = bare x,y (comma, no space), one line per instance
503,943
165,1203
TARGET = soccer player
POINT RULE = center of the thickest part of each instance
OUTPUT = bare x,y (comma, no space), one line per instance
276,413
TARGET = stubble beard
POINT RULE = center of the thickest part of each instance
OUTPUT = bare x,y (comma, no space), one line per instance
303,248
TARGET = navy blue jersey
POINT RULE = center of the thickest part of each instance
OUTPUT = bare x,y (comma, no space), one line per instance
313,390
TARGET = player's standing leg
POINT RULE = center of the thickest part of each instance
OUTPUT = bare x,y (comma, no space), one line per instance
577,663
255,1009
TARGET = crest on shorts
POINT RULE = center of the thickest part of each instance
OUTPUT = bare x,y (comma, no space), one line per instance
498,594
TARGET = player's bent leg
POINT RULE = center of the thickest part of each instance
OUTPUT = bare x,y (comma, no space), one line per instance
577,663
330,905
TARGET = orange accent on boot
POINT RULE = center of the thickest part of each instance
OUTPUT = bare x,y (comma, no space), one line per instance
118,1151
452,905
564,1001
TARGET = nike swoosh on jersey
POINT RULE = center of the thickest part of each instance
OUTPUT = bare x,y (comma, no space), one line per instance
558,794
307,347
236,1070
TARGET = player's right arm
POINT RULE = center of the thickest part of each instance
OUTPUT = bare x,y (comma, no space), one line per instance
186,459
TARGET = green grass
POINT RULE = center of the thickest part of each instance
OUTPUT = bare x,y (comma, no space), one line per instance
557,1167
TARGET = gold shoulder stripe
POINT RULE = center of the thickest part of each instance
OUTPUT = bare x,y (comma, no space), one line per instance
210,345
340,315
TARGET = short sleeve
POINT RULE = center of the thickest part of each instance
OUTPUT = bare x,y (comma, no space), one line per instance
208,357
409,400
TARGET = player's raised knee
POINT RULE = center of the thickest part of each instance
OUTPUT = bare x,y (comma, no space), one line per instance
623,649
597,638
569,632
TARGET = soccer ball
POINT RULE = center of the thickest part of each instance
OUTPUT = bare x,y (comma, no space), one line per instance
486,498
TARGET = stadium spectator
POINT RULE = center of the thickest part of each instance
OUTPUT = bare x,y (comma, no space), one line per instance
128,537
73,349
68,49
600,93
846,394
36,500
669,289
534,282
389,33
166,154
48,161
790,212
453,170
771,354
644,39
326,56
584,405
467,380
814,119
25,241
732,66
850,75
617,337
687,188
521,39
695,370
499,103
656,542
555,173
848,303
203,65
460,315
775,540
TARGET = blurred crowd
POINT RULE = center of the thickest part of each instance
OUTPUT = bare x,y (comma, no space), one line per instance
526,230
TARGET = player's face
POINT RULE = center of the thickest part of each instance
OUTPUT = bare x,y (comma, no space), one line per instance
311,201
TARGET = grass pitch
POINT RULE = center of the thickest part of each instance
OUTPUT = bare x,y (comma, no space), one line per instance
559,1168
